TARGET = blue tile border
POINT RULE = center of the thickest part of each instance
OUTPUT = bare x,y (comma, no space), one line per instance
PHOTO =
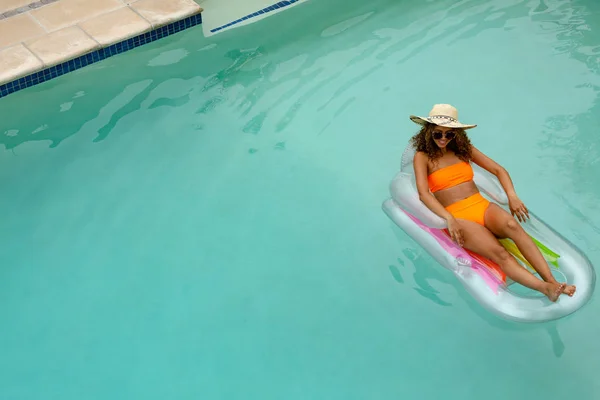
265,10
98,55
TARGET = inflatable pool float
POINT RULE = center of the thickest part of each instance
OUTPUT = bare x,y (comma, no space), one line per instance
484,279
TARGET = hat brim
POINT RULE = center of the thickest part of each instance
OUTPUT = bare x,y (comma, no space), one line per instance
449,124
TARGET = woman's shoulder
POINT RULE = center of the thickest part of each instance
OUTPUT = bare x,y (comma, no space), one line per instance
421,157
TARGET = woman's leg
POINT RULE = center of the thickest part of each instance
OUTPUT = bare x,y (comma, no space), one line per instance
503,225
480,240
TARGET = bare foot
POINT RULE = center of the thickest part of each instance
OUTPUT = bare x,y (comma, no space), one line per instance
569,290
553,290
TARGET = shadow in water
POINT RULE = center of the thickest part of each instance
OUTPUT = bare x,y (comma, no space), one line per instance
428,271
420,278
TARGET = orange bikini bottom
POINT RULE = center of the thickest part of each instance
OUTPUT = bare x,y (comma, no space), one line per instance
472,208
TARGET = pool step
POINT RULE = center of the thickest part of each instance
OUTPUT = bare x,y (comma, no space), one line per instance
222,15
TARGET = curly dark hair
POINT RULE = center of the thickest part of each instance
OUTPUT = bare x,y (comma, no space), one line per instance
460,145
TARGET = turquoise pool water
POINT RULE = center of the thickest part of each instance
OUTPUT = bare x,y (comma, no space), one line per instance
201,217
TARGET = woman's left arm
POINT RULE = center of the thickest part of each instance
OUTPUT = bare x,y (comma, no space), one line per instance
517,208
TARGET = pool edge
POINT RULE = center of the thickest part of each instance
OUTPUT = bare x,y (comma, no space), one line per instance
99,54
278,6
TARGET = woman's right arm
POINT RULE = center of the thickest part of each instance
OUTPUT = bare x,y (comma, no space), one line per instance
420,168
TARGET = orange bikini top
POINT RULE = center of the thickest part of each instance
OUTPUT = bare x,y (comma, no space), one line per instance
449,176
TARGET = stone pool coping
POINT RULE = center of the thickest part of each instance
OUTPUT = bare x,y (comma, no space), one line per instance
52,39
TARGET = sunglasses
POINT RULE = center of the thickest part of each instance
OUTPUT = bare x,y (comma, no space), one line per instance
437,135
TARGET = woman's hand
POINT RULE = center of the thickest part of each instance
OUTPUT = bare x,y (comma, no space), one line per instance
455,231
518,209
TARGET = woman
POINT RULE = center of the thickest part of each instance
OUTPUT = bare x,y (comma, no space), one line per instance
444,180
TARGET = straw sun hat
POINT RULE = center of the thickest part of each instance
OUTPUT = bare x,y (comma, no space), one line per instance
442,115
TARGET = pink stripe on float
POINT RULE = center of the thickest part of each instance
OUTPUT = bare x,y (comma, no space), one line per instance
477,264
